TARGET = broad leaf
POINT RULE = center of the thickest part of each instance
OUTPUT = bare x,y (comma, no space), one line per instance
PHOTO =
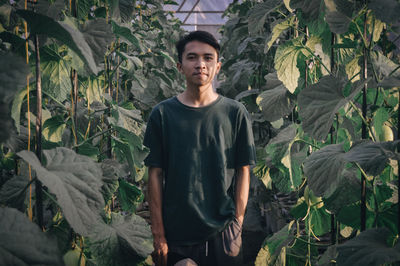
368,248
24,243
338,22
76,181
51,9
84,8
13,73
329,256
347,192
55,69
384,66
122,242
310,8
122,10
387,70
6,123
319,103
125,33
277,29
323,169
98,36
272,246
13,192
372,156
320,221
278,146
380,117
386,10
275,103
286,63
40,24
258,15
92,88
112,170
129,196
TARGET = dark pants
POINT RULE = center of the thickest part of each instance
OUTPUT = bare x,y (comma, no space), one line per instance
223,249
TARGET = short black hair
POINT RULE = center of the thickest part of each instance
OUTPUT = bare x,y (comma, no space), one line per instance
199,35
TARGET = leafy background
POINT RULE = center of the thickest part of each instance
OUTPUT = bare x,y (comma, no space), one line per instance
78,80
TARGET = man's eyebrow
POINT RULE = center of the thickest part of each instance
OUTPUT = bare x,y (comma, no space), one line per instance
206,54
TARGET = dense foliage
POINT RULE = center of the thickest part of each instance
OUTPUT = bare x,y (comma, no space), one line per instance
100,66
321,81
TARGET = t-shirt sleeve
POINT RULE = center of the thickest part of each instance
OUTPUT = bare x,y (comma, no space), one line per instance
153,140
245,149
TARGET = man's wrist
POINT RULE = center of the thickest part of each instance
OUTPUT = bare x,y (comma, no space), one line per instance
240,218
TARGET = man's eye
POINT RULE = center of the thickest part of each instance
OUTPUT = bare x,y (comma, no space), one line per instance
209,58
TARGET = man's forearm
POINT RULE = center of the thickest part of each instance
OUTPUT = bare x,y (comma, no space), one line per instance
242,191
155,201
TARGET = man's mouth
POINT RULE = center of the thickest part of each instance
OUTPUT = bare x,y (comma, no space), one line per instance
199,74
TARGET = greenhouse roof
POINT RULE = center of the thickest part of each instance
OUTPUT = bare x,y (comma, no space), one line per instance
197,14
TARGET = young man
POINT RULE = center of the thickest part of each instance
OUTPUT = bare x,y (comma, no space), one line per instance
201,147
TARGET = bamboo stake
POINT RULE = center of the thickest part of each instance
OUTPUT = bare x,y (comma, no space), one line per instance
30,210
364,133
38,184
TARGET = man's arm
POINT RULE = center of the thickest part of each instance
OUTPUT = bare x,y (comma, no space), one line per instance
155,204
242,191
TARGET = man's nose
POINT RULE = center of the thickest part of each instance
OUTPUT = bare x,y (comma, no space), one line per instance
200,63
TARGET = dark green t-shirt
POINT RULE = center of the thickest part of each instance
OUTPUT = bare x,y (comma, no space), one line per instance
198,150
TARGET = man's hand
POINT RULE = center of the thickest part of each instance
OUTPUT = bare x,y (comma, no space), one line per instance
157,227
160,252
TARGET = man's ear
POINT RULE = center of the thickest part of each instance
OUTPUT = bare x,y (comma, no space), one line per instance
179,66
219,64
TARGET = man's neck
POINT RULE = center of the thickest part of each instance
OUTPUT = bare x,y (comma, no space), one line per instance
198,96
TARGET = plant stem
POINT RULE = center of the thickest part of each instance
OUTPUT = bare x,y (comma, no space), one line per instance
398,163
94,136
38,184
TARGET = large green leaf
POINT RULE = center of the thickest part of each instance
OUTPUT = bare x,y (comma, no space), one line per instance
55,69
13,76
320,221
40,24
6,123
329,257
338,22
310,8
319,103
121,242
347,192
52,9
129,196
368,248
259,13
272,246
76,181
84,8
13,73
24,243
275,103
278,28
126,33
372,156
386,69
122,10
279,145
323,169
98,35
386,10
112,171
13,192
286,63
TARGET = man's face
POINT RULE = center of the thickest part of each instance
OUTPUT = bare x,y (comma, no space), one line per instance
199,63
